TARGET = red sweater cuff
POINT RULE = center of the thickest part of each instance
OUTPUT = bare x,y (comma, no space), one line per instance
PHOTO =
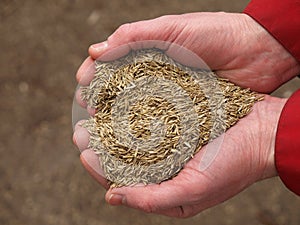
287,145
281,18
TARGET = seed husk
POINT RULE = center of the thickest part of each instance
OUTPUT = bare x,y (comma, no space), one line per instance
153,114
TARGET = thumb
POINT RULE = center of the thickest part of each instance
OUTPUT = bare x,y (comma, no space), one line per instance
156,197
162,29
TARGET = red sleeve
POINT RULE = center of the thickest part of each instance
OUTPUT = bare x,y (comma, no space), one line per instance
281,18
287,145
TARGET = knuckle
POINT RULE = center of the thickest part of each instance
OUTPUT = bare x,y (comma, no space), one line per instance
166,17
124,28
147,206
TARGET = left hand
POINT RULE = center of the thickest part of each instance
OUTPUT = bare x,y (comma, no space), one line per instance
246,156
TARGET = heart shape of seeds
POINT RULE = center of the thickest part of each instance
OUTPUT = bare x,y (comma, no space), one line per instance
153,114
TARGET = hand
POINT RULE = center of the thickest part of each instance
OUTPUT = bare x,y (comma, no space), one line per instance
237,48
246,156
233,45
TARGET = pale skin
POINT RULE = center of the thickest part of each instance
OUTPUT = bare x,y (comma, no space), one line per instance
235,47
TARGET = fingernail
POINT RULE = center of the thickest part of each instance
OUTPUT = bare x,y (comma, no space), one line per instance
116,199
99,47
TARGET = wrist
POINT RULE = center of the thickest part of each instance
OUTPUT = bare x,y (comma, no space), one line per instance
269,113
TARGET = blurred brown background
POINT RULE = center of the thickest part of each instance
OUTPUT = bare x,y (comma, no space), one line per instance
42,44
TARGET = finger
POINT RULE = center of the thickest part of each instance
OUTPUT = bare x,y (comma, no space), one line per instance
157,197
86,72
81,137
96,50
176,52
79,124
115,51
91,111
91,163
119,48
79,100
161,29
186,189
110,53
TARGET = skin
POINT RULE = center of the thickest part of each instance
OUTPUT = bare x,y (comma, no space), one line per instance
235,47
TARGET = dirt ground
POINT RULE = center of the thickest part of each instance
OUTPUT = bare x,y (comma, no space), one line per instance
42,44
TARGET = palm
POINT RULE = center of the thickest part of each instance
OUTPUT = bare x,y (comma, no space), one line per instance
245,157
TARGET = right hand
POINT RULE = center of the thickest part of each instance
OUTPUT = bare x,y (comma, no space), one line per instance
232,44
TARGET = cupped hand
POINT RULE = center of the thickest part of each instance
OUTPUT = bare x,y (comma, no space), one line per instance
235,47
245,156
232,44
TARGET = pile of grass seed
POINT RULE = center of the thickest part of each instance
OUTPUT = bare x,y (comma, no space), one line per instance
153,114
